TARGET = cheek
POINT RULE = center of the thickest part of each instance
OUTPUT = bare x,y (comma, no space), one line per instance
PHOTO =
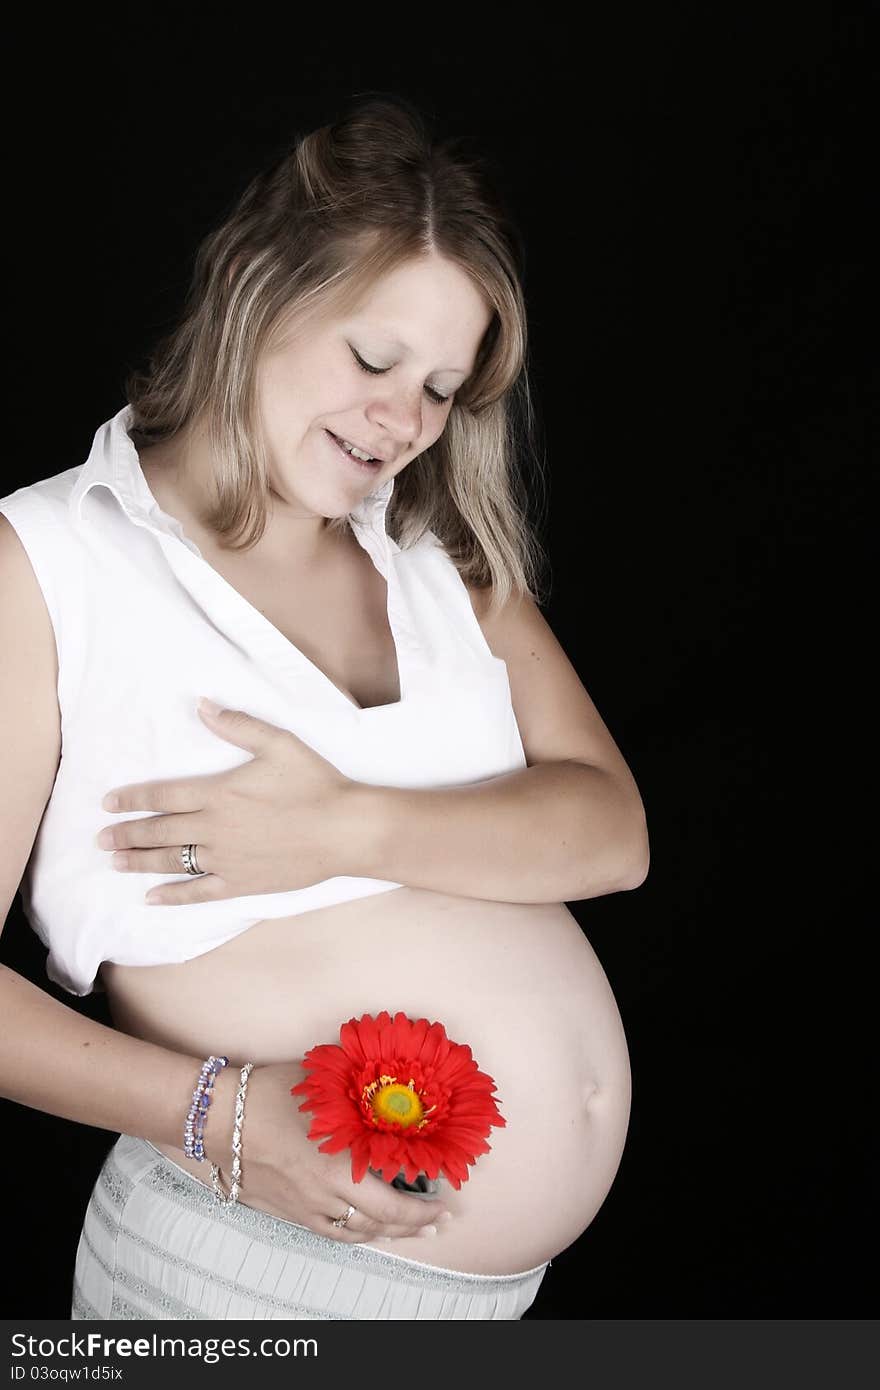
435,428
430,434
297,394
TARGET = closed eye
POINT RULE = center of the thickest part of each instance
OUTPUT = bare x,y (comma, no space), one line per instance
432,395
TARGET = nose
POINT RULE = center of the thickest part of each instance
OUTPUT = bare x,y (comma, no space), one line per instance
398,413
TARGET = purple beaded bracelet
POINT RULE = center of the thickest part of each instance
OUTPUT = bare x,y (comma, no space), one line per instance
194,1128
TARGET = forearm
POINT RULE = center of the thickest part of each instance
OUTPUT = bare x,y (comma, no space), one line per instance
555,832
53,1059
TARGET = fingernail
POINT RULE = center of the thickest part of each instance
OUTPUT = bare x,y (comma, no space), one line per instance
110,802
208,707
428,1231
120,861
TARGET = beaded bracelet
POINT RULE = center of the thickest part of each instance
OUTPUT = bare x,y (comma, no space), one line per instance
194,1127
240,1095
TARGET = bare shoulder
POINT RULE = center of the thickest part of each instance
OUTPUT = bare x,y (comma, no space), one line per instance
19,583
556,716
508,623
19,580
30,719
25,625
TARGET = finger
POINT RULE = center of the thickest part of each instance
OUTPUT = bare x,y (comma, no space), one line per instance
183,794
238,727
359,1224
377,1230
408,1232
207,889
152,832
409,1214
352,1231
157,861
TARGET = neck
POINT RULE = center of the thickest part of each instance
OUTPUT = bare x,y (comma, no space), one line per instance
180,474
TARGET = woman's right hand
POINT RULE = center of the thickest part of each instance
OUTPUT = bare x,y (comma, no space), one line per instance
284,1173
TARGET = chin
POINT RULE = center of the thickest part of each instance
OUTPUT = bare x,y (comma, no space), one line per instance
327,504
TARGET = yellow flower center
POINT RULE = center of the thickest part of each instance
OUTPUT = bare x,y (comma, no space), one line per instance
393,1102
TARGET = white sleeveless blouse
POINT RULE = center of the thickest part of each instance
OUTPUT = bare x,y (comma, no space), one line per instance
144,626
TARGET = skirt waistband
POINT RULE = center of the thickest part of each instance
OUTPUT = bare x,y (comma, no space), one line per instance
164,1175
156,1244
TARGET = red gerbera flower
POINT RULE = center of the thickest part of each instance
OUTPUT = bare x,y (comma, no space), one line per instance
401,1095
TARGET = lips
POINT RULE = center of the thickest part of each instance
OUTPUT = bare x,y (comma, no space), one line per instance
364,450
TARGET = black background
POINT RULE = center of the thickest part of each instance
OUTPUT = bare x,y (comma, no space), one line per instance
692,186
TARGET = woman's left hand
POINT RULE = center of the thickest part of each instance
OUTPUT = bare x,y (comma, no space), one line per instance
281,821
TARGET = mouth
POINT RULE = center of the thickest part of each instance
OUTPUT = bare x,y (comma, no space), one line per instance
371,462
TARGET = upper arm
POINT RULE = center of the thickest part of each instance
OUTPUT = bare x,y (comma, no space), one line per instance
557,720
30,720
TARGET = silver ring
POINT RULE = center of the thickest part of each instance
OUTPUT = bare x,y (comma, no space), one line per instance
188,859
341,1221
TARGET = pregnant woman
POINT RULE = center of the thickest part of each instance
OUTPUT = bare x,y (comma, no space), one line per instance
310,513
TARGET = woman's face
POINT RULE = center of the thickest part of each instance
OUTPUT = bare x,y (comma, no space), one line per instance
423,323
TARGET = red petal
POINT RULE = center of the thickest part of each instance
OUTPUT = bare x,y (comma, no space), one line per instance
354,1038
411,1167
383,1156
433,1050
418,1033
360,1158
430,1159
334,1145
457,1068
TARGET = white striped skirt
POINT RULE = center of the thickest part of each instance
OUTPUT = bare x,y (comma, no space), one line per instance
156,1244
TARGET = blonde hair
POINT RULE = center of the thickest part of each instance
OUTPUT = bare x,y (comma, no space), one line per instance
308,237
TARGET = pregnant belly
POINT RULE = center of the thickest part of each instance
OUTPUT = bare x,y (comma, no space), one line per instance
519,983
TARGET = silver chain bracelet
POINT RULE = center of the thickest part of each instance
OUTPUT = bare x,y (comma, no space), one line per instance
240,1095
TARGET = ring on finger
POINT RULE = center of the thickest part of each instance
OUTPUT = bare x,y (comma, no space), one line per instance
340,1222
188,859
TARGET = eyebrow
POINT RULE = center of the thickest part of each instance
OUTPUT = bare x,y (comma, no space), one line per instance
407,350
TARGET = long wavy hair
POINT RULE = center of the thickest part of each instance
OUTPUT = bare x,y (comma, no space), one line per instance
309,236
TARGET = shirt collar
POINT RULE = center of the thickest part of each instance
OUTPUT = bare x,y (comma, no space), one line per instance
113,463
